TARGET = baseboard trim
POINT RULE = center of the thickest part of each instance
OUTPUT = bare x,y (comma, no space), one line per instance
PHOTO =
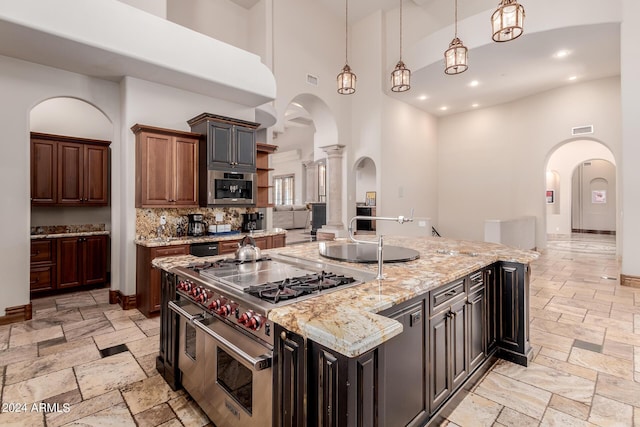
579,230
127,302
631,281
17,313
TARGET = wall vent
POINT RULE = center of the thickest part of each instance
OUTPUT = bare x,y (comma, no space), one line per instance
582,130
312,80
586,164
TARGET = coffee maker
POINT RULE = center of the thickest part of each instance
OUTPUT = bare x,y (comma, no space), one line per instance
252,221
196,225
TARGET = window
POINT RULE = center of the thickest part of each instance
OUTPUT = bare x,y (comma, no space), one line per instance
283,189
322,182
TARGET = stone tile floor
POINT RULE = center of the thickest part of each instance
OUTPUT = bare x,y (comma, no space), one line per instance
92,363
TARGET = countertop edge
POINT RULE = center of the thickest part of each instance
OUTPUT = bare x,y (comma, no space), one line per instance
154,243
78,234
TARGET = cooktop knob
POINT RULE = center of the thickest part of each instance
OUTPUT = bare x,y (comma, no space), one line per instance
225,310
215,305
245,318
254,322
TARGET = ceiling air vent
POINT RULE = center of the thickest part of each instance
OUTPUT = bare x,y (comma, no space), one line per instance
582,130
312,80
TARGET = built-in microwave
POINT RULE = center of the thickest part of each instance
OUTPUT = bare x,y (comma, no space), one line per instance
231,188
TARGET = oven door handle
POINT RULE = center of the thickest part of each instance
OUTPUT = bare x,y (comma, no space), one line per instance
258,363
173,306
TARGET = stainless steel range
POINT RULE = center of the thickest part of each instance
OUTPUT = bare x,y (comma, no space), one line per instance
226,341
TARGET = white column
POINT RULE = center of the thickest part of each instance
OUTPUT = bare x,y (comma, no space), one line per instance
311,189
334,186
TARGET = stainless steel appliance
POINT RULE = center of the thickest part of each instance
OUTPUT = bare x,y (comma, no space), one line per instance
226,343
196,226
204,249
252,221
230,188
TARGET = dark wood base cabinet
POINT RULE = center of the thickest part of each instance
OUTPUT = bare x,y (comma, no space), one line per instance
167,360
451,337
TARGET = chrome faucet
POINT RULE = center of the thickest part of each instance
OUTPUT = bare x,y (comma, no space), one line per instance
399,219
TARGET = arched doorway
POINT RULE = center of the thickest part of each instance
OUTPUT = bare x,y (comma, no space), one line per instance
576,175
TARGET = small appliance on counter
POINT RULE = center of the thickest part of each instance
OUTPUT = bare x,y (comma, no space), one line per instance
196,225
252,221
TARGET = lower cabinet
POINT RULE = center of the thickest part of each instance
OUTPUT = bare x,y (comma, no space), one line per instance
68,262
513,310
167,360
148,289
289,379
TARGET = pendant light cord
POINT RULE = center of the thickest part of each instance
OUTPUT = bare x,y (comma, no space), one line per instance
456,20
346,32
400,30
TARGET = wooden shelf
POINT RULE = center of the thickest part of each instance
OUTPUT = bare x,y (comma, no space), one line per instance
263,151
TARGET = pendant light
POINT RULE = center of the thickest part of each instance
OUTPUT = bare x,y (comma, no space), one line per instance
455,58
401,76
507,20
346,79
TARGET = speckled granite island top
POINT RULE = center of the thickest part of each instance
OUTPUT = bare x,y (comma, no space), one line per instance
346,320
187,240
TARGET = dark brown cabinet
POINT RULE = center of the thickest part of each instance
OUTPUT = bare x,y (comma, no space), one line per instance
148,280
263,151
476,302
513,312
43,265
68,171
81,261
289,379
231,143
166,167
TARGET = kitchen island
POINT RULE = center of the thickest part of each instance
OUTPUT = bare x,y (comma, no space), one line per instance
396,351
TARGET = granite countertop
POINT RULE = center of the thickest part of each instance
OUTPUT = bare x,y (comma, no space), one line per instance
187,240
346,320
70,234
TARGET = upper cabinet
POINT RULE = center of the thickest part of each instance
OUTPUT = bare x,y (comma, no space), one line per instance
69,171
166,167
231,143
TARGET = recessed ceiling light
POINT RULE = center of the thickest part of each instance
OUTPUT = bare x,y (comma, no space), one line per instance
476,105
444,108
474,83
561,54
422,97
573,78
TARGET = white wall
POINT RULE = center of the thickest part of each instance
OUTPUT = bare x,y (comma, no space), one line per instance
564,160
365,177
220,19
492,162
156,7
23,86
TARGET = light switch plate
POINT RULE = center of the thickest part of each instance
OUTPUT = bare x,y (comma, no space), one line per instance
219,217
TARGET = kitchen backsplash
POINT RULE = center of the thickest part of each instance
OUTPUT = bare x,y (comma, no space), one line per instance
60,229
148,220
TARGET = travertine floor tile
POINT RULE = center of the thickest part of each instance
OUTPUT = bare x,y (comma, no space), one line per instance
477,411
87,328
144,346
607,412
116,416
155,416
601,362
19,339
40,388
622,390
188,412
550,340
146,394
514,394
570,407
122,336
21,419
85,408
110,373
554,418
509,417
593,334
16,354
570,368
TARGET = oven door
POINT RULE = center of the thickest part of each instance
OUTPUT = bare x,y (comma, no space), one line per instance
238,381
191,356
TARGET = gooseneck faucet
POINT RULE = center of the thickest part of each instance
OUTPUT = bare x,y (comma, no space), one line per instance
399,219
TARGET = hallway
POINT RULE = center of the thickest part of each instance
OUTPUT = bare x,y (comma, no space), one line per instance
585,330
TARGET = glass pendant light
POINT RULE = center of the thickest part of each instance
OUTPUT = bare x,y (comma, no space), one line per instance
401,75
346,79
507,21
455,58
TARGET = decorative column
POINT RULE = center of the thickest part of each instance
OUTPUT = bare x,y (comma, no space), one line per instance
334,186
311,189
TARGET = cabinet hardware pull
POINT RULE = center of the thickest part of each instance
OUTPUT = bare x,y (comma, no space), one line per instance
450,293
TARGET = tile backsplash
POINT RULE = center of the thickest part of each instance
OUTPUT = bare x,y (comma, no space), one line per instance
148,220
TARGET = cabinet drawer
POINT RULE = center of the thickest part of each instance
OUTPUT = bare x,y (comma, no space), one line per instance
170,251
443,296
41,251
476,282
41,278
227,247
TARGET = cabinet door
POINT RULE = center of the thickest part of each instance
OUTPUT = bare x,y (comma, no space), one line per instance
69,262
44,172
155,169
492,313
262,243
70,173
245,148
476,331
289,379
96,175
279,241
94,259
514,312
186,172
219,145
404,374
227,246
42,278
439,358
459,344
